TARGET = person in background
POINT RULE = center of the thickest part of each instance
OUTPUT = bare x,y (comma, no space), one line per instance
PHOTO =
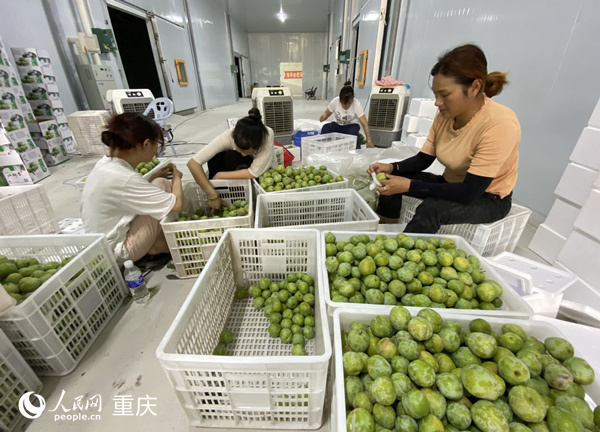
118,202
348,115
475,138
244,152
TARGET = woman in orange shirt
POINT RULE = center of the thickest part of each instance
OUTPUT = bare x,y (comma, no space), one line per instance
475,138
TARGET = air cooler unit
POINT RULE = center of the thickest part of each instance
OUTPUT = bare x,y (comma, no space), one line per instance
387,107
277,109
129,100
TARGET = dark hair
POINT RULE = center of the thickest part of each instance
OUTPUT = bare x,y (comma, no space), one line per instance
249,132
346,93
467,63
125,131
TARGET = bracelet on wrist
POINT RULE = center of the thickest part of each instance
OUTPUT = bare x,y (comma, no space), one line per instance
214,198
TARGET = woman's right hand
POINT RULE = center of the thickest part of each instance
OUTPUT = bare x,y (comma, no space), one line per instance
379,167
215,204
176,172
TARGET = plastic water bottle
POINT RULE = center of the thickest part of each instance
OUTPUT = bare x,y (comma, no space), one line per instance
135,282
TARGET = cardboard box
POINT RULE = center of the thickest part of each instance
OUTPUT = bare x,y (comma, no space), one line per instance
34,162
20,95
5,76
35,92
49,79
9,100
45,62
6,147
21,140
53,92
53,150
31,74
63,123
46,129
69,142
27,112
12,120
25,56
42,110
15,175
4,59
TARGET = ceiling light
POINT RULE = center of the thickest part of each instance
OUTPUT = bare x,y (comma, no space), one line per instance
281,14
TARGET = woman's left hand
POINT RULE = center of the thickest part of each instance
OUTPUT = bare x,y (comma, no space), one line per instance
394,185
163,172
370,144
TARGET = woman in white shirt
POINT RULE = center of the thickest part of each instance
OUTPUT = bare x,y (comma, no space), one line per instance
118,202
244,152
348,114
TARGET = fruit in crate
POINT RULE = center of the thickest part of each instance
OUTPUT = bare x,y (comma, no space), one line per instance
238,208
408,271
464,382
293,178
23,276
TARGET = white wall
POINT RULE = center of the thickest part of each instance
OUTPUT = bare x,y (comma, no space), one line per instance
241,46
267,50
214,52
551,52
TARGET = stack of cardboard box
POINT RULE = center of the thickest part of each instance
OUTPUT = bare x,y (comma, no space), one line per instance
39,85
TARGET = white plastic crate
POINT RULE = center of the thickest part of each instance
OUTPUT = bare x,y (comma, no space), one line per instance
258,189
57,324
513,305
26,210
341,209
192,242
343,319
16,378
327,143
258,384
72,226
87,128
487,239
163,162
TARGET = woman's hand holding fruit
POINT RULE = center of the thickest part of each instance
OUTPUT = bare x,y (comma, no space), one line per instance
380,168
394,185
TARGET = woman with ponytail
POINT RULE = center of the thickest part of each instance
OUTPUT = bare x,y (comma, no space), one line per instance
475,138
348,115
245,152
118,202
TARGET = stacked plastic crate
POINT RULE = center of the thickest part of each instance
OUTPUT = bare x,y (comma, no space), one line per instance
21,161
39,85
418,121
570,236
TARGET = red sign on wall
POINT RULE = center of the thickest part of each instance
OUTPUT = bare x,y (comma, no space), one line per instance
292,75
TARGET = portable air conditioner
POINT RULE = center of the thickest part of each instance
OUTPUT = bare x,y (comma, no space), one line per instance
129,100
277,109
387,107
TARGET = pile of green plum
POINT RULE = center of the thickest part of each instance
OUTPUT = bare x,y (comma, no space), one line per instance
409,374
289,305
238,208
407,270
293,178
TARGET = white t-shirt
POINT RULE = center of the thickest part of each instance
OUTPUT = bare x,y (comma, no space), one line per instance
345,117
113,195
264,159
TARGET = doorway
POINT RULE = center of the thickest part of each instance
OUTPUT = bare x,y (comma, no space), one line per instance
238,77
354,52
135,50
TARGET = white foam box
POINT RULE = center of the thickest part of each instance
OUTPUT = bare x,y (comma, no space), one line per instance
46,129
587,220
422,107
410,124
547,243
34,162
562,217
581,255
30,74
424,124
581,303
15,175
416,140
25,56
403,137
587,149
595,117
576,183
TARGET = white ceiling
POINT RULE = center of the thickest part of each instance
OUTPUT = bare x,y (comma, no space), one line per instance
260,16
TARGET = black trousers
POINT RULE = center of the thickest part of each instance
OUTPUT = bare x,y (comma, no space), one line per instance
432,213
228,160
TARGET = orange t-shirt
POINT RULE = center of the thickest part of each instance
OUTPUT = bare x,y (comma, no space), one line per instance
487,146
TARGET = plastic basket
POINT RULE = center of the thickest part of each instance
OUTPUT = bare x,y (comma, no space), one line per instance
259,384
57,324
16,378
343,319
327,143
341,209
26,210
513,305
87,127
487,239
192,242
258,189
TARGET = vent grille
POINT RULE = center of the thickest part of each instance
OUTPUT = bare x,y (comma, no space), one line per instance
136,107
382,113
279,116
